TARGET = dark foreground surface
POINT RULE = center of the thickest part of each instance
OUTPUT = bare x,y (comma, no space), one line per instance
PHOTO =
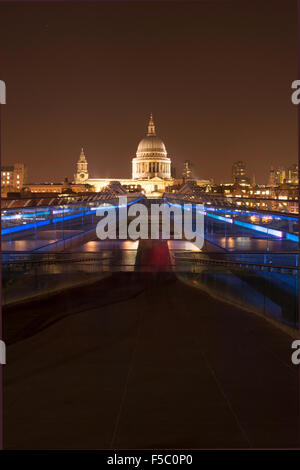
142,360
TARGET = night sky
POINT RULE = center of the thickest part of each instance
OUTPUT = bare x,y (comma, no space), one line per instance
216,75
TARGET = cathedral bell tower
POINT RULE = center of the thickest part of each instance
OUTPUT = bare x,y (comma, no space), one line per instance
81,174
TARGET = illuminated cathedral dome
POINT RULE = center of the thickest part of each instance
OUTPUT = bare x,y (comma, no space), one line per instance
151,157
151,145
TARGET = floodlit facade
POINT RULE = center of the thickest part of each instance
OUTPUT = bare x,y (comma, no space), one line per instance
151,159
151,167
13,177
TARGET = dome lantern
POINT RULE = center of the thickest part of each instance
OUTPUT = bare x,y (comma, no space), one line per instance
151,126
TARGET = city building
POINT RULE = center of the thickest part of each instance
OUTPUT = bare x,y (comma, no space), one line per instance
277,176
239,173
13,177
283,175
271,180
58,187
293,174
173,171
187,173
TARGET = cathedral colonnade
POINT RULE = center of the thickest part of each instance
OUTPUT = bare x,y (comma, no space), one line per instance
149,168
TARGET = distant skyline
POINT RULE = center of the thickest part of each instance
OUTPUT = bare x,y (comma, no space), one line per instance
215,74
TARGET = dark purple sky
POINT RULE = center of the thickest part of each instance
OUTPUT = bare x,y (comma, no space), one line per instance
216,75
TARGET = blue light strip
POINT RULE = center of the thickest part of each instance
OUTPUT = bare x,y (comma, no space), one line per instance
250,226
243,212
250,212
260,228
33,214
25,215
257,228
19,228
220,217
276,233
292,237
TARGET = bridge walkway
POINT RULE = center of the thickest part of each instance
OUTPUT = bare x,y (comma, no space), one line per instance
147,360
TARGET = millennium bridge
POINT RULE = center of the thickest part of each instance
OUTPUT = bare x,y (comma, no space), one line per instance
191,346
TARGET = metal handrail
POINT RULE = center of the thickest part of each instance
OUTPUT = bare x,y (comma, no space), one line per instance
246,264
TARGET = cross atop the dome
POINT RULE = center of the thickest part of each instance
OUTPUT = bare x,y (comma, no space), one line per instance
151,126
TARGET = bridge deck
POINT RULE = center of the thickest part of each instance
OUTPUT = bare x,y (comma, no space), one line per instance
143,360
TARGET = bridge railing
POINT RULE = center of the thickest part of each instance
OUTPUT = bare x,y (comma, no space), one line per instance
261,204
55,212
267,224
62,200
229,263
264,288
